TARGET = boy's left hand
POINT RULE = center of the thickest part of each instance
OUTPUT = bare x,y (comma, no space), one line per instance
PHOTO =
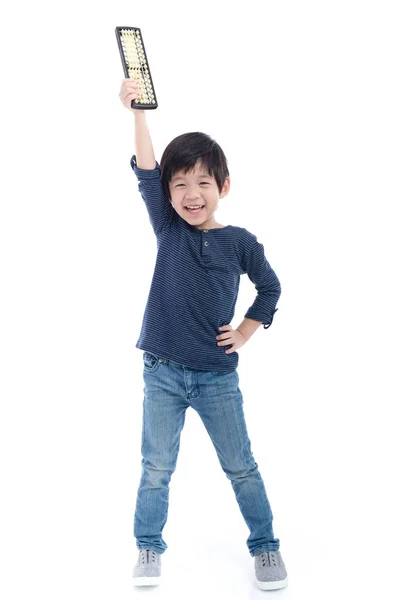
230,336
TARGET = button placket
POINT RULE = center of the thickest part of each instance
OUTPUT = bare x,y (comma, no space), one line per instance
205,245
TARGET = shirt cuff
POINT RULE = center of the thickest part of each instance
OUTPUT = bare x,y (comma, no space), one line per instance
145,173
266,325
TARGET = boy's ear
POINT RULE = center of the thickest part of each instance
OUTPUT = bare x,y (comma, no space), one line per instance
226,187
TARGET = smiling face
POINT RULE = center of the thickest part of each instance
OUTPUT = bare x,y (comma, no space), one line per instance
197,188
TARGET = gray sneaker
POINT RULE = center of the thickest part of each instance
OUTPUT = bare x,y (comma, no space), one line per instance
270,570
147,570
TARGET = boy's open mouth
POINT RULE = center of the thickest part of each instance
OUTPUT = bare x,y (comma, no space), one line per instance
194,209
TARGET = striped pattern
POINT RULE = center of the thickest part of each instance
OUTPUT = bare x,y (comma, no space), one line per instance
196,282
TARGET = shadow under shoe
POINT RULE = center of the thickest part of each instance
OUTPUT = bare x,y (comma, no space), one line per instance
147,570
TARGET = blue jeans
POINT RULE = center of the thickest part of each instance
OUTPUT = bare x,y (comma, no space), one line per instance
169,389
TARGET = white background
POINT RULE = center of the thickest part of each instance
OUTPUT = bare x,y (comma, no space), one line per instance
304,99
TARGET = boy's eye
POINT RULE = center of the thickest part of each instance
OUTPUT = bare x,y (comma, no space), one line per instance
201,182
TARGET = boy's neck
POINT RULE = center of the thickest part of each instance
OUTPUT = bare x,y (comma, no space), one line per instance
212,226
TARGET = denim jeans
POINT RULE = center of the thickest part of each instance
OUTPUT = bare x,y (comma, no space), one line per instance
169,389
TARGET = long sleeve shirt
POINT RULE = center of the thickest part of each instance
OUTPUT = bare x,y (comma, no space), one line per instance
195,283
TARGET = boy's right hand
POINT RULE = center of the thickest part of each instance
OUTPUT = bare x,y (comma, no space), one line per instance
130,90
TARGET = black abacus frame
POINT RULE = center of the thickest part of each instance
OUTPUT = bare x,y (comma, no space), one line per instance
121,51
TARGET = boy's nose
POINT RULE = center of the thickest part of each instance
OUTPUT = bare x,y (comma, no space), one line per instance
193,193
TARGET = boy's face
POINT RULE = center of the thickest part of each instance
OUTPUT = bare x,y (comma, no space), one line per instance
196,188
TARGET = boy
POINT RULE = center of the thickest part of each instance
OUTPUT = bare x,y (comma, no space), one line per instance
189,347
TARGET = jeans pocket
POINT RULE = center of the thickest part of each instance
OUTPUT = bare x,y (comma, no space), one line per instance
150,361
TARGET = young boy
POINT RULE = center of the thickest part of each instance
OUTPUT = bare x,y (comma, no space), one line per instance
189,347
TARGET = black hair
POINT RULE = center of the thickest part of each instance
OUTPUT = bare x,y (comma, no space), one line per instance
186,150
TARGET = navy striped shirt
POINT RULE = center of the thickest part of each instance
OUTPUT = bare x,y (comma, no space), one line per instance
196,282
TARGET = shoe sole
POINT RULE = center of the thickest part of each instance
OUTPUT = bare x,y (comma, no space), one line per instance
146,581
272,585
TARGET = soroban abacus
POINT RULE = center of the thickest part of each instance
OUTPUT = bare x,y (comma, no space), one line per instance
134,62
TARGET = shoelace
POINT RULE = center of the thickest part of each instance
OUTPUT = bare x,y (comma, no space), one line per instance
269,558
147,556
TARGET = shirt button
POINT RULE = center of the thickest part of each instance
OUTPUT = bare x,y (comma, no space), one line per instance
206,243
205,230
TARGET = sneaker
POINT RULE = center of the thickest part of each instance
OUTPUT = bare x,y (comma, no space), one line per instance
270,570
147,570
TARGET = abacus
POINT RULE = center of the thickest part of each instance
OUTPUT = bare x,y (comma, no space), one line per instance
135,65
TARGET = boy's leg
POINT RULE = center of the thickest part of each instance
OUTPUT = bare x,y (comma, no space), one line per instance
220,406
164,408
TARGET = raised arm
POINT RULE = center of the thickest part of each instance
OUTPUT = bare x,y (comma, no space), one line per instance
145,159
144,164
